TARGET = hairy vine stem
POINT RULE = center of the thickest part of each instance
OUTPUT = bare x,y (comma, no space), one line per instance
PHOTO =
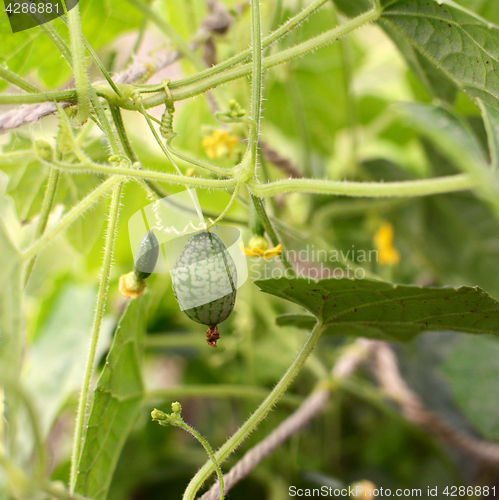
245,430
345,366
185,91
79,63
112,226
420,187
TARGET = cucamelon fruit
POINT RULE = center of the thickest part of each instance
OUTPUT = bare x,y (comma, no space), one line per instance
204,281
147,256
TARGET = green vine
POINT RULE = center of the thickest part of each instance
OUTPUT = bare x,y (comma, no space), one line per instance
102,103
175,418
112,226
252,422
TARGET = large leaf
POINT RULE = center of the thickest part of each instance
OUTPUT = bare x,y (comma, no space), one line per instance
473,374
56,359
116,405
458,42
435,81
377,309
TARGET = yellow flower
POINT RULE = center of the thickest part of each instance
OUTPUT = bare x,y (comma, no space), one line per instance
258,252
219,144
383,239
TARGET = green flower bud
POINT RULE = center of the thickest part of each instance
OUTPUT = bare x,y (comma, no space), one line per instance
176,408
259,242
158,415
44,150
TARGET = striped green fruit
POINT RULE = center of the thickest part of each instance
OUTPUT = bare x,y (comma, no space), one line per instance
147,256
204,281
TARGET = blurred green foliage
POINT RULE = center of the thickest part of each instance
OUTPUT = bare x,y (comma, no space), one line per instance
332,115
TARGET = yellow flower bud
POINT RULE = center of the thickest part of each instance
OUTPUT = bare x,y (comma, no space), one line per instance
383,240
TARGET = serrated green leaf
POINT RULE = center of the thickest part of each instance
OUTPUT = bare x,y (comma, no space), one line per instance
436,82
473,375
376,309
116,405
306,321
460,43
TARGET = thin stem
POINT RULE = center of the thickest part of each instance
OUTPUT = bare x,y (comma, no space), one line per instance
61,95
196,162
114,210
59,43
66,132
193,432
14,79
114,144
97,61
101,67
120,127
79,64
158,139
70,217
249,426
48,203
231,202
269,229
159,192
194,199
181,90
147,174
421,187
190,90
81,418
256,85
